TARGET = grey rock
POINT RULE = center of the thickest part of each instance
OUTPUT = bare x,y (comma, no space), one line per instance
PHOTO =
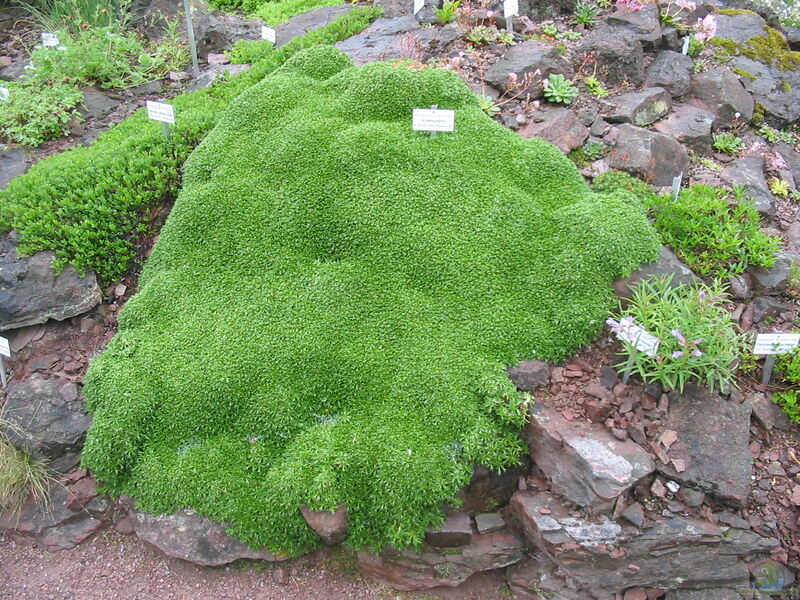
95,104
690,496
691,126
719,91
666,264
331,527
301,24
713,442
456,531
644,25
674,552
748,171
767,413
640,108
766,308
671,40
537,577
46,425
191,537
211,74
775,279
529,375
740,286
150,87
31,292
396,38
634,514
14,71
715,594
671,71
560,127
618,51
584,461
216,31
793,38
489,489
489,522
739,28
792,158
778,91
409,571
528,57
655,157
545,9
13,163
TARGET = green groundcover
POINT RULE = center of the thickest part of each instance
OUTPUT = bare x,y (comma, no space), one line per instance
329,310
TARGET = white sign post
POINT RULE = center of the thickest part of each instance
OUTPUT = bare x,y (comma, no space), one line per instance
50,40
510,8
161,111
269,34
5,350
418,5
771,344
686,41
432,119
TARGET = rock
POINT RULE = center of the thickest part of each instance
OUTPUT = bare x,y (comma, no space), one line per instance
767,413
489,522
739,28
537,578
191,537
489,489
640,108
210,75
766,308
14,71
96,104
713,441
528,57
604,557
771,576
125,525
529,375
301,24
560,127
331,527
81,493
46,425
748,171
655,157
715,594
634,514
720,92
643,25
216,31
690,497
148,88
666,264
409,571
793,38
740,287
388,39
217,59
31,292
618,51
775,279
545,9
20,338
400,8
13,163
585,463
456,531
671,71
778,91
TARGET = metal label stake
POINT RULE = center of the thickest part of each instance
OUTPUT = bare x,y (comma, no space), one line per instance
190,31
626,374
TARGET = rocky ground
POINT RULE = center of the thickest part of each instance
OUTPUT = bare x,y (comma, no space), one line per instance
628,491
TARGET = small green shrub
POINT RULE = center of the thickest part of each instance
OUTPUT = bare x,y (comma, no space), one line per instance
34,114
275,13
21,476
790,403
713,231
787,366
480,35
586,14
248,52
595,87
698,340
549,29
448,11
73,14
559,89
612,182
728,143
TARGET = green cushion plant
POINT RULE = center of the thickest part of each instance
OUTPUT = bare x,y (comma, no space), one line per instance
329,311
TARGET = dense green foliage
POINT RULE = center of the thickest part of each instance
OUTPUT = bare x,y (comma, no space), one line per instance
698,340
273,12
787,367
34,114
86,203
73,14
329,310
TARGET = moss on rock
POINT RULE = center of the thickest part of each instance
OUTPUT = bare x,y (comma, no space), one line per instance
329,310
769,49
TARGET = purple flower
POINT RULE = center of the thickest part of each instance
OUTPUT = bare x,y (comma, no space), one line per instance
679,336
677,354
697,352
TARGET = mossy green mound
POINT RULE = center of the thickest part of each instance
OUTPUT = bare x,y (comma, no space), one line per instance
329,310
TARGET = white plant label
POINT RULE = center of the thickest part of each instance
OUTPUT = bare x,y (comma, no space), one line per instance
686,42
50,39
418,5
640,339
3,93
776,343
510,8
5,349
268,33
433,119
676,187
161,111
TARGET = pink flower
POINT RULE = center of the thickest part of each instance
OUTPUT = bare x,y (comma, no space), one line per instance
512,77
777,162
687,4
705,28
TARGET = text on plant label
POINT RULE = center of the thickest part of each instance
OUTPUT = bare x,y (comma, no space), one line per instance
50,39
268,33
433,119
776,343
161,111
5,349
640,339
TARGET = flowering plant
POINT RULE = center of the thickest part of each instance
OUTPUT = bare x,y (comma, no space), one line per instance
674,11
698,341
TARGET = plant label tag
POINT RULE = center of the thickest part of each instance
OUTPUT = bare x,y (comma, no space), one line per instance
5,349
431,119
268,33
418,5
676,186
640,339
161,111
510,8
776,343
686,42
3,93
50,39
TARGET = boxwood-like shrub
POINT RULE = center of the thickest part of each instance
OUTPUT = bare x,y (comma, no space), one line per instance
329,310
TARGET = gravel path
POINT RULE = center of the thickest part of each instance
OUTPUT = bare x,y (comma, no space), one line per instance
116,567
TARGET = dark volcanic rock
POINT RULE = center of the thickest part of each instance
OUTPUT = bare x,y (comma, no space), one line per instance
31,292
529,375
13,163
655,157
455,531
671,71
691,126
666,264
719,91
775,279
640,108
618,51
489,489
197,539
528,57
643,25
559,127
748,171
